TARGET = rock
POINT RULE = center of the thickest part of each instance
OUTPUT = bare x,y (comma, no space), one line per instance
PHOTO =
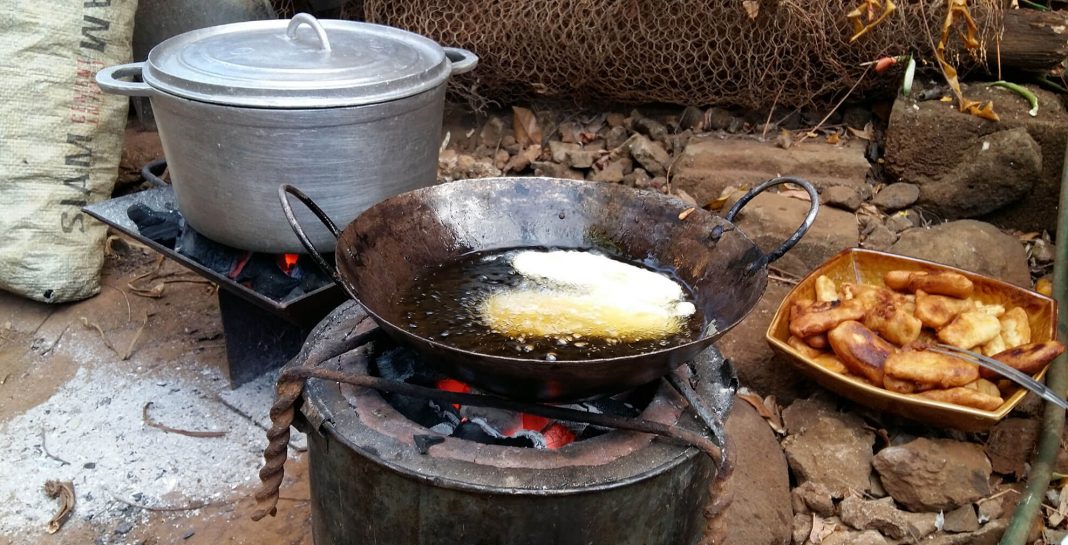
615,137
559,150
771,218
1043,251
660,183
522,160
581,158
899,222
124,528
637,178
897,196
612,172
841,196
717,119
709,165
806,412
569,132
970,245
988,534
501,159
937,148
835,452
813,497
961,519
615,119
651,128
884,516
759,512
846,537
555,170
1010,444
758,367
879,237
934,474
651,155
492,134
802,527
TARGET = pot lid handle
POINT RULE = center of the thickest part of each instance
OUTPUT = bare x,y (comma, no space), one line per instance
310,20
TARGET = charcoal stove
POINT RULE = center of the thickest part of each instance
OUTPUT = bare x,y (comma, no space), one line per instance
379,477
263,327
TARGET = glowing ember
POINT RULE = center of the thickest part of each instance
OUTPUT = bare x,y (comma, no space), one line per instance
556,435
286,262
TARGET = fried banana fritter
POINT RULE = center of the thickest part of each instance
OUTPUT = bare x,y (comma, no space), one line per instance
970,329
930,369
860,349
965,396
824,316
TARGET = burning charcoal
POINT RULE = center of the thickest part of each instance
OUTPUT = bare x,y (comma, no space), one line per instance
471,431
207,252
264,275
159,226
611,406
423,442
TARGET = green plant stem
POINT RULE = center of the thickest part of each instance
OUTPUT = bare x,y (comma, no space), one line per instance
1033,5
1032,99
1056,378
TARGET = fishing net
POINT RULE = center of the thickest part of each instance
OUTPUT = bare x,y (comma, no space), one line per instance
694,52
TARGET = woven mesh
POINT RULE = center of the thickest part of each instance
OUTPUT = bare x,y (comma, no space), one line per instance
693,52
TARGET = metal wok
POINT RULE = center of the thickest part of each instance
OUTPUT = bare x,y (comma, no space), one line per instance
380,253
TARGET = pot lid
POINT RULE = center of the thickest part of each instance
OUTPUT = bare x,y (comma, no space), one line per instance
300,63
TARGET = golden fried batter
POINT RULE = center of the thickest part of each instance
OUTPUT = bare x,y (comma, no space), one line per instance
823,316
930,369
1015,327
995,345
936,311
1028,358
829,361
802,348
985,386
901,386
939,283
970,329
825,289
967,397
819,341
860,349
893,324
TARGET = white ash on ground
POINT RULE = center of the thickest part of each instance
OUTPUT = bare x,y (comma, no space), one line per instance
95,425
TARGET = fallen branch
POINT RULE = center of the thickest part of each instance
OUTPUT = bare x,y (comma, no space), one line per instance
64,490
148,421
836,106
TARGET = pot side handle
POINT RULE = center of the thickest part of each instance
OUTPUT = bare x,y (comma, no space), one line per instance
283,196
813,209
109,82
461,60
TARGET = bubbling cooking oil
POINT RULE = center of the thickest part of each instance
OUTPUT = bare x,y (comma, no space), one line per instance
483,304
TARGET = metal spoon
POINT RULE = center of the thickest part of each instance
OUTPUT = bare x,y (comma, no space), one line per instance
1003,370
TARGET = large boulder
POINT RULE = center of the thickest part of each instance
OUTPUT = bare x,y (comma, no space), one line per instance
759,512
934,474
708,165
970,245
1008,172
832,449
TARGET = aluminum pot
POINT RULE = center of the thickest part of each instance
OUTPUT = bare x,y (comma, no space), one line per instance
349,112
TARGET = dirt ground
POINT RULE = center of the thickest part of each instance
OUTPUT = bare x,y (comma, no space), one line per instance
53,359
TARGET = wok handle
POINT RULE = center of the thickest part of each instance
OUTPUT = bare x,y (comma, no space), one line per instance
284,191
813,209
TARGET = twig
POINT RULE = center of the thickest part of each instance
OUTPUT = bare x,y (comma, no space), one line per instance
44,447
168,509
783,279
103,336
148,421
836,106
998,495
133,341
771,112
64,490
4,380
129,309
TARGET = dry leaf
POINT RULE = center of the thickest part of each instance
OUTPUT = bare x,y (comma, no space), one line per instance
785,139
799,194
752,8
833,138
768,409
867,133
1027,237
1044,286
1057,517
820,530
525,126
64,492
715,204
